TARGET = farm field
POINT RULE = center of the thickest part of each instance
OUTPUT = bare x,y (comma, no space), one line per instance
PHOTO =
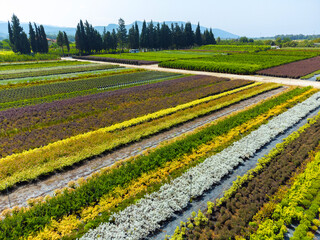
205,91
294,70
243,59
58,116
10,56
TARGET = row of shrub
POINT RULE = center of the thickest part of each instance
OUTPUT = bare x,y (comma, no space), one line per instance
116,60
25,222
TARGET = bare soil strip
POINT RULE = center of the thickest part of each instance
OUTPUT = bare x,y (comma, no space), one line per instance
20,195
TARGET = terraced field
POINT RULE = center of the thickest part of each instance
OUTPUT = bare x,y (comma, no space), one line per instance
115,153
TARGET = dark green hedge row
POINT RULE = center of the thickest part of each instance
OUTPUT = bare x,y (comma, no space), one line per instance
116,60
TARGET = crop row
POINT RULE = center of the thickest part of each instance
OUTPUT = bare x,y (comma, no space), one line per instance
295,69
116,60
236,63
124,196
96,142
235,48
231,217
296,206
31,81
70,202
42,64
61,96
34,126
23,93
54,71
11,57
139,220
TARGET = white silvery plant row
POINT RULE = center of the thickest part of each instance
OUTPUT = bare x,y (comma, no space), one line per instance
139,220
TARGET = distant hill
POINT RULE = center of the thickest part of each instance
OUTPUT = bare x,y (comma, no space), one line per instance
53,30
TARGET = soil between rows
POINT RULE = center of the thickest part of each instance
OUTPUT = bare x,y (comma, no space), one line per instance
47,185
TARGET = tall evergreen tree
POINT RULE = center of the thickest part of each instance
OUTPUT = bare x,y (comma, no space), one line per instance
66,41
10,33
18,38
25,44
151,35
198,38
206,37
107,41
78,39
43,40
144,35
60,41
189,35
136,36
131,37
165,36
38,38
122,33
87,38
114,40
158,36
32,37
212,39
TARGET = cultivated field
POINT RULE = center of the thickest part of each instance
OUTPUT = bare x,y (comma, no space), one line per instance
138,148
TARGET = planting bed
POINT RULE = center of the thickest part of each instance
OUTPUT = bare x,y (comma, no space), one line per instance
165,157
294,70
116,60
41,188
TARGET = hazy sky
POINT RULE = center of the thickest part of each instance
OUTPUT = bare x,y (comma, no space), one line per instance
242,17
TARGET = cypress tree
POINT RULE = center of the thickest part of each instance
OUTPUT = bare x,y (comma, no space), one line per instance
144,35
38,38
60,41
136,35
151,35
107,39
212,39
189,35
25,44
131,37
165,36
43,40
32,37
198,38
158,36
66,41
78,39
206,37
10,34
122,33
18,38
114,40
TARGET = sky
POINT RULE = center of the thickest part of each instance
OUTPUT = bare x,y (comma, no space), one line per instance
251,18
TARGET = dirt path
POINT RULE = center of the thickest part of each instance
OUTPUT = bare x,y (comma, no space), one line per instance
258,78
43,187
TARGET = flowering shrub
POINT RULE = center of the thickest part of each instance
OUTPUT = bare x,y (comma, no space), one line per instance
139,220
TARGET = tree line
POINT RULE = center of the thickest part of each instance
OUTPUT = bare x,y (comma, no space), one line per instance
19,41
159,36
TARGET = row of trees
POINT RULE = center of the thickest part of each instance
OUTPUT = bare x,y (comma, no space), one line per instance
19,41
62,40
160,36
